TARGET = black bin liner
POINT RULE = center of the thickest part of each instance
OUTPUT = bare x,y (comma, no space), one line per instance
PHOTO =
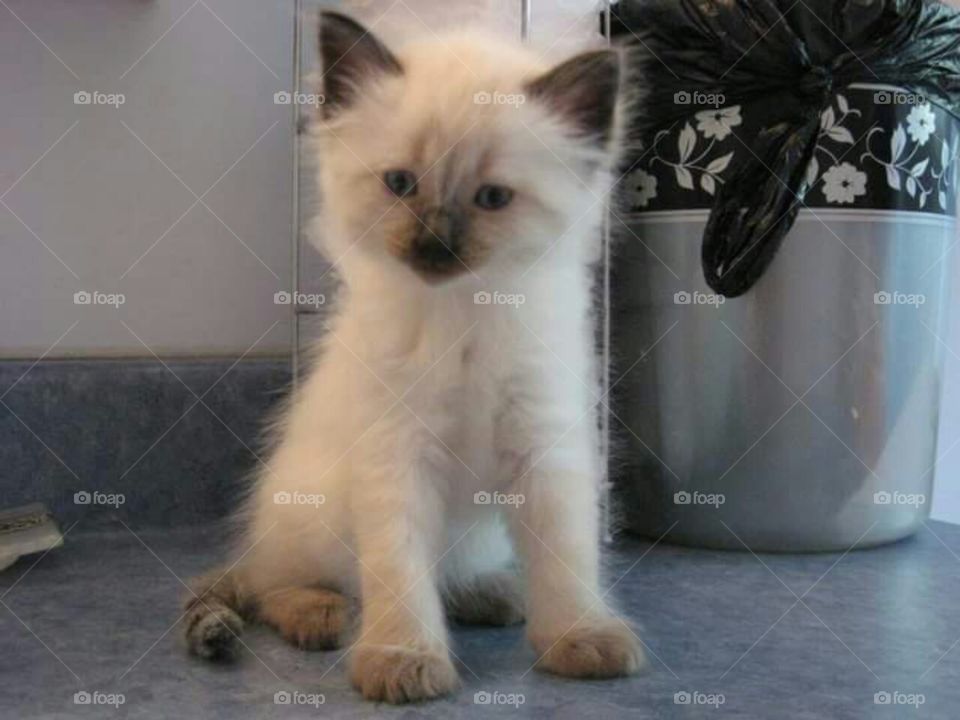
787,63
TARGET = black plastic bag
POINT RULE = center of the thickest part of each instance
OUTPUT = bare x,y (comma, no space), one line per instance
792,55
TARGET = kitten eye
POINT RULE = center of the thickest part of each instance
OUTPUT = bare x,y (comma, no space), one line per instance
401,182
493,197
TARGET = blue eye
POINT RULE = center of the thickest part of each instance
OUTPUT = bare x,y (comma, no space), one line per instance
493,197
401,182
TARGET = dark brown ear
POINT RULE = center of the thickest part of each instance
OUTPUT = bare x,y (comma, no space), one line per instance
350,55
584,90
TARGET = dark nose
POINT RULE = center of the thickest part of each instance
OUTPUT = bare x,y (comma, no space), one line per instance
434,253
439,240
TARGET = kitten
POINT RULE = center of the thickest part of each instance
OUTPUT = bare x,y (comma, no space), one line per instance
450,419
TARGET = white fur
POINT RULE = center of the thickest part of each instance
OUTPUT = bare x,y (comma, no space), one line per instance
419,397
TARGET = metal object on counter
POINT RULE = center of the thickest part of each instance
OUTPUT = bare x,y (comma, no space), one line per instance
800,416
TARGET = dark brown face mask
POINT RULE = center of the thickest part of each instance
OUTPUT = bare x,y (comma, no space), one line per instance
438,244
448,233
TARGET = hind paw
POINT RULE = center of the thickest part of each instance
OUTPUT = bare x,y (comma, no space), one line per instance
213,632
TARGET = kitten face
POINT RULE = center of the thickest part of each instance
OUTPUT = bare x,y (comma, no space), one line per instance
456,157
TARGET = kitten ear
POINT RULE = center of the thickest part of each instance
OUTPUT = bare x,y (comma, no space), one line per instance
349,55
584,90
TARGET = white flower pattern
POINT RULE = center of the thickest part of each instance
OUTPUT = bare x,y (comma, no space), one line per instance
644,187
718,123
690,162
921,123
907,168
909,161
843,183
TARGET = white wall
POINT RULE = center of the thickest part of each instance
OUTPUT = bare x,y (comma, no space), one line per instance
99,211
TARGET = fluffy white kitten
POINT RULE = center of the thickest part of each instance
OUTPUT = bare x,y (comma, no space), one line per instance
442,457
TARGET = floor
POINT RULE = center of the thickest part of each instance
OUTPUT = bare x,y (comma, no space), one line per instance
740,636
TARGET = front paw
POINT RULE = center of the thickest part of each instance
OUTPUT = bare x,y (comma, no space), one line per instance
398,675
598,648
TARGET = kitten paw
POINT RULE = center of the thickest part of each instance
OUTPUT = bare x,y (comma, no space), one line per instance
491,599
399,675
213,631
309,618
599,649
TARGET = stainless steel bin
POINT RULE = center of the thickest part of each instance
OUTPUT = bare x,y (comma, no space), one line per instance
801,416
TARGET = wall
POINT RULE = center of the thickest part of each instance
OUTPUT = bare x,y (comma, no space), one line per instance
105,197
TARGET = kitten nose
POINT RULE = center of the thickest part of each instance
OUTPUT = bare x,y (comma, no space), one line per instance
434,252
439,240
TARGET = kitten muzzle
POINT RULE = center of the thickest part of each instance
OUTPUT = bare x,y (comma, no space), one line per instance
436,251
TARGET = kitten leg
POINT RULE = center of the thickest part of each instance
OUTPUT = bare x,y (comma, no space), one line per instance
557,537
309,618
401,655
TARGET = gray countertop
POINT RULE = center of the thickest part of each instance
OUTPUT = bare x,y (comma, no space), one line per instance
772,636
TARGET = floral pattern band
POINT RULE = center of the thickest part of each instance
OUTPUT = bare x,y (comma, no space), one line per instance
876,149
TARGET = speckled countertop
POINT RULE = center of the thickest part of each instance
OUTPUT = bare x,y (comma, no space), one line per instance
771,636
